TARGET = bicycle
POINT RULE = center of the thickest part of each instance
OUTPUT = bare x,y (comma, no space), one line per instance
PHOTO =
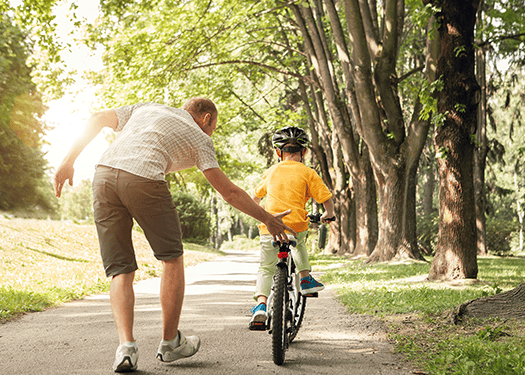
287,303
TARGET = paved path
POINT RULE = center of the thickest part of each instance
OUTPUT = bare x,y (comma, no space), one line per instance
80,337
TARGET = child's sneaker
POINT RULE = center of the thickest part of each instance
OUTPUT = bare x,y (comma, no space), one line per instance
258,322
309,285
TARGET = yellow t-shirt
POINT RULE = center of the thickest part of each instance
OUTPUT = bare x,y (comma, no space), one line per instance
289,185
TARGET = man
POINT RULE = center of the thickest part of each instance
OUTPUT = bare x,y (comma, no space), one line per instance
129,184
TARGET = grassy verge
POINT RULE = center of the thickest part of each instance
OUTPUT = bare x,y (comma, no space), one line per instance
241,242
46,263
417,313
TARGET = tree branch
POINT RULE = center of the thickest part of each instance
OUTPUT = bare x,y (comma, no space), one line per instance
500,38
280,6
247,105
411,72
265,66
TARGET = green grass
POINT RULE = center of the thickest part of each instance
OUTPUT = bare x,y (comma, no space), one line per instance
477,347
14,302
418,313
241,242
46,263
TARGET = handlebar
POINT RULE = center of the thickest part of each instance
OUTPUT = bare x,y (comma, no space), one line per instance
279,244
316,218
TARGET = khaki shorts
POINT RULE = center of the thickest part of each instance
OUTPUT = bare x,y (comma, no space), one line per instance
118,198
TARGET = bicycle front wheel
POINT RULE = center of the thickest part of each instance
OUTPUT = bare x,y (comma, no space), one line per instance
278,324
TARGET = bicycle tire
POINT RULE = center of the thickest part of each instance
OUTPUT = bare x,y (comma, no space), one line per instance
278,324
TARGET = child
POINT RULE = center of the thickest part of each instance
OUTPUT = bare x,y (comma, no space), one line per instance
288,185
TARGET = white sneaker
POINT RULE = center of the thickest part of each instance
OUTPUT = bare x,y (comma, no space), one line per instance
126,358
188,346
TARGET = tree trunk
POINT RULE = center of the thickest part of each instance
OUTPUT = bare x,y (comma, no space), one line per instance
394,145
397,234
507,305
340,239
456,248
480,153
520,211
428,191
389,197
410,247
366,209
429,184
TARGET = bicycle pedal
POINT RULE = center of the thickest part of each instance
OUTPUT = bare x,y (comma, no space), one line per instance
257,326
312,295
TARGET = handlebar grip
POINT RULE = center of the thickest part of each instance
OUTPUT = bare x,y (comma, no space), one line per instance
316,218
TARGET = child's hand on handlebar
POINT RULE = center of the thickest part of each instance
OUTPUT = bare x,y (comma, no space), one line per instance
325,218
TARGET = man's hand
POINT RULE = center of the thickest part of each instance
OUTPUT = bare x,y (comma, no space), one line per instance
63,174
277,228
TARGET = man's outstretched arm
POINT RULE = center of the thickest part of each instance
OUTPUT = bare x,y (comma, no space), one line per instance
239,199
107,118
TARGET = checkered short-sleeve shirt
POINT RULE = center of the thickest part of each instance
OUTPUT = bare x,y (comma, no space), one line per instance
156,139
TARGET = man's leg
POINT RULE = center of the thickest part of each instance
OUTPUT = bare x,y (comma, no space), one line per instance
122,299
171,296
174,344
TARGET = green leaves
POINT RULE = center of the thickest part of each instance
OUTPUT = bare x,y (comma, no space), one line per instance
427,96
22,163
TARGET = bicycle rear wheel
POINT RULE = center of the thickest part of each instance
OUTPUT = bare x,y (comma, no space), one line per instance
278,324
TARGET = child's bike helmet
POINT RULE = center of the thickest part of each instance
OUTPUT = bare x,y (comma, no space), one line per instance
292,136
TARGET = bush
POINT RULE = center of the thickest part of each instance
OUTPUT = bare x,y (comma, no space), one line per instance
193,214
499,235
427,232
76,203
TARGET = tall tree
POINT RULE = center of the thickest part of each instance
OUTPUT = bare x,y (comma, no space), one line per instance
372,106
480,152
355,232
360,103
499,32
453,139
22,163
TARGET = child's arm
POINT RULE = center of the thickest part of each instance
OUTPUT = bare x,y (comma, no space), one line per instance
329,210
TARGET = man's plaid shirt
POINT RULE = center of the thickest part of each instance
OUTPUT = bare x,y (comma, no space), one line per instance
156,139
